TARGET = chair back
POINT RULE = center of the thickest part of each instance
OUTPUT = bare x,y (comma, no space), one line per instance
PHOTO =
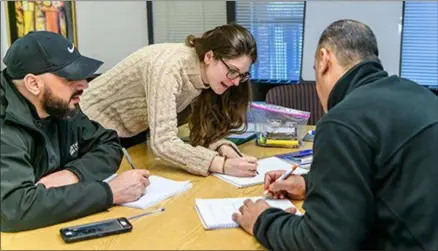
301,96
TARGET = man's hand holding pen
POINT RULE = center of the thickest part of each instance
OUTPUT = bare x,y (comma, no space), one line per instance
129,185
283,184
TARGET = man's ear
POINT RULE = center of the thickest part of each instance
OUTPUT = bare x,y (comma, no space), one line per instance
33,84
208,57
324,60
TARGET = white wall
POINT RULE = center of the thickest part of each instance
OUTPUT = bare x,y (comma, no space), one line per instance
111,30
383,17
107,30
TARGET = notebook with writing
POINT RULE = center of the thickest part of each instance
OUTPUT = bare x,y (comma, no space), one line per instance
264,165
217,213
159,189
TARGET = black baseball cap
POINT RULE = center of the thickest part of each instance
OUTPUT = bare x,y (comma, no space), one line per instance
41,52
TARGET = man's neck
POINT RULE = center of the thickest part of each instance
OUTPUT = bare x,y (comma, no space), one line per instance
339,71
336,73
40,112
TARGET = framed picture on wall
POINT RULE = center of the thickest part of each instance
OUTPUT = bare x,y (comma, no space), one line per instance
54,16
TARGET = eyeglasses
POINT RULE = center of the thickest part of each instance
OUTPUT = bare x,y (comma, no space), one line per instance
233,73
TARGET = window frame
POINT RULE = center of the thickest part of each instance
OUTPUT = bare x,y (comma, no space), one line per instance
150,20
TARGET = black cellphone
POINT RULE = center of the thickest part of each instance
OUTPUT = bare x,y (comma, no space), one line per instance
95,230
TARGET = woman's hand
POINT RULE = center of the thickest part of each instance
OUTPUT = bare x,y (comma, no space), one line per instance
240,167
229,152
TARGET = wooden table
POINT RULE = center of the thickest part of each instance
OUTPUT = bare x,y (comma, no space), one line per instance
178,227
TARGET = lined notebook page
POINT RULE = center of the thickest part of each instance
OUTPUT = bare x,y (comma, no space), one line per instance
159,189
264,165
217,213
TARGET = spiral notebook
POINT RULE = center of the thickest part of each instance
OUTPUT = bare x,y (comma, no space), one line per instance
158,190
217,213
264,165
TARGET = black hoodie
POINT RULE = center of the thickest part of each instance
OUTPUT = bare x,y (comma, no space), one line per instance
372,183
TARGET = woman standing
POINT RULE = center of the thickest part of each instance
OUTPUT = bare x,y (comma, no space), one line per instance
147,89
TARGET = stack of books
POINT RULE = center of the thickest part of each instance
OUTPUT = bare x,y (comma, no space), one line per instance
237,139
302,158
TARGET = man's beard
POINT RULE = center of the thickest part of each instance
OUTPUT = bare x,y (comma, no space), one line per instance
57,107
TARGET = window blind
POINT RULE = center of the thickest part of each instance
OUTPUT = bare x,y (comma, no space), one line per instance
419,57
278,30
174,20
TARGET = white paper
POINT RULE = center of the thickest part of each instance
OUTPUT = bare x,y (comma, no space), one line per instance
217,213
159,189
264,165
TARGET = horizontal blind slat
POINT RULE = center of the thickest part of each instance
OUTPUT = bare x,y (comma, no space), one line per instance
174,20
278,30
419,57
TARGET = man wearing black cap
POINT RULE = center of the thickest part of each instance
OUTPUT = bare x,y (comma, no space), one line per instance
53,158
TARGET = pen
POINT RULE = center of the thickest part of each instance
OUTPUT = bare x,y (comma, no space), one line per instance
301,153
285,175
240,155
128,158
293,155
147,213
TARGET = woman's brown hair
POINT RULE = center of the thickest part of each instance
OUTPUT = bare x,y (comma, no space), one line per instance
214,116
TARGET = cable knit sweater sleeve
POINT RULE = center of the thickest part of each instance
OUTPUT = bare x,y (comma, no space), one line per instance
162,117
217,144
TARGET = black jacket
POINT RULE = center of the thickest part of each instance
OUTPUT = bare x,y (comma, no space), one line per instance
373,180
29,151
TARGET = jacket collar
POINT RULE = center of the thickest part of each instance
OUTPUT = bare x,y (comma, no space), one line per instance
14,104
359,75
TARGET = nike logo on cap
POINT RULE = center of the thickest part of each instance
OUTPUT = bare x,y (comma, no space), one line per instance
72,49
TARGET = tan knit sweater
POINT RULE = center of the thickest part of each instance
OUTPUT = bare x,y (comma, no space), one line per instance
147,90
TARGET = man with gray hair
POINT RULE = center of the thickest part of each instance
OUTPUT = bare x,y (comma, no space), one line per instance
372,183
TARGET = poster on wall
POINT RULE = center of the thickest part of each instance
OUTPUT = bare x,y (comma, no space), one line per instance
54,16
